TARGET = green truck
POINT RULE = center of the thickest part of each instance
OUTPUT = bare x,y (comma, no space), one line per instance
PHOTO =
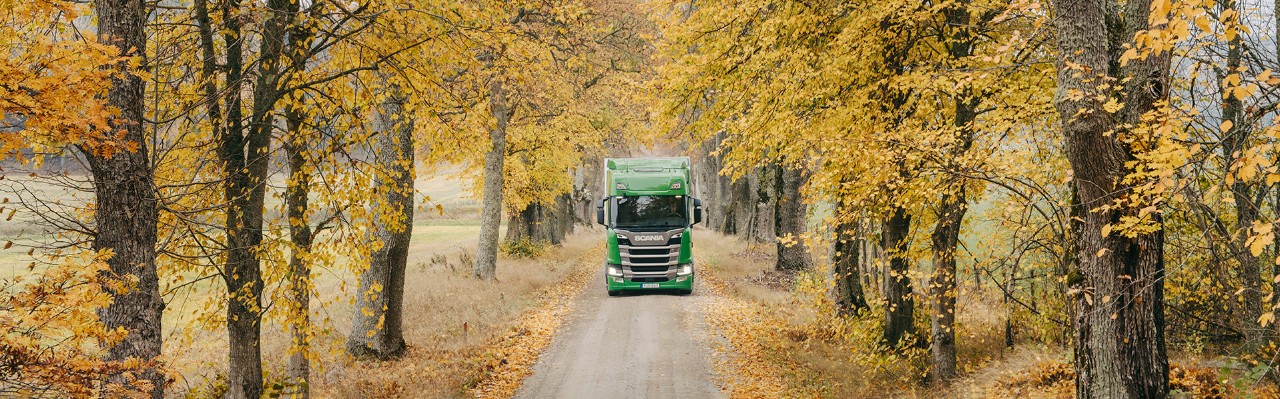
649,218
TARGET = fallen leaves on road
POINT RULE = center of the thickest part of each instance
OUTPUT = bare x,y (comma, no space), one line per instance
510,359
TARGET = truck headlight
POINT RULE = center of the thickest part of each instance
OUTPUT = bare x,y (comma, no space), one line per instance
685,270
614,271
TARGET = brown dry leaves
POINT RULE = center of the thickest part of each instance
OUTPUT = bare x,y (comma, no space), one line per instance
744,368
510,358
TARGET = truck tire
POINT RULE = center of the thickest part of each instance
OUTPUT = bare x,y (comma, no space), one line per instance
615,293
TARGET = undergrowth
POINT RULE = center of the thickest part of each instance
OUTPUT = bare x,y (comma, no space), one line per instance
524,248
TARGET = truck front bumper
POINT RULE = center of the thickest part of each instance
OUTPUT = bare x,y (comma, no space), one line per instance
629,282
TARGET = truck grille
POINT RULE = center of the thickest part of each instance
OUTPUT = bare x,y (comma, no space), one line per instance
649,256
650,269
651,261
649,251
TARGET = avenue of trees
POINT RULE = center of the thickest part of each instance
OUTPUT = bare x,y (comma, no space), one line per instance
242,148
1108,168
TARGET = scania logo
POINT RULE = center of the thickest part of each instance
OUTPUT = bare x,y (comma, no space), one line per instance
648,237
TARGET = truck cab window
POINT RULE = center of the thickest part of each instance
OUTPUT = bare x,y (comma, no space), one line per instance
650,211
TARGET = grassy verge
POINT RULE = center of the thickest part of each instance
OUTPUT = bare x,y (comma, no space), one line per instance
782,339
470,337
465,336
509,358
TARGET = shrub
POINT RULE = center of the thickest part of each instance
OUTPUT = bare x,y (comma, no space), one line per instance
524,248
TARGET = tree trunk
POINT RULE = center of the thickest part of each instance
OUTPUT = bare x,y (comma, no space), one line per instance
564,219
850,299
1119,324
491,214
738,206
377,328
900,304
540,223
521,225
246,157
1245,199
298,212
300,236
714,189
127,214
789,220
587,191
942,286
943,289
762,208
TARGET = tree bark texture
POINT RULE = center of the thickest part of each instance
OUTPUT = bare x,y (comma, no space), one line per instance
377,330
758,209
127,214
300,236
942,286
1247,202
491,212
900,301
739,207
943,289
789,219
1119,300
245,153
587,191
713,188
850,298
541,223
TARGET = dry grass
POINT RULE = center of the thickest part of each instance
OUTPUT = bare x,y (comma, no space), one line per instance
446,359
782,343
502,319
511,358
452,322
774,345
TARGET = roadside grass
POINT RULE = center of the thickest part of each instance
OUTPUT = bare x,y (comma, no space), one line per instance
457,327
785,341
509,357
777,346
462,333
469,337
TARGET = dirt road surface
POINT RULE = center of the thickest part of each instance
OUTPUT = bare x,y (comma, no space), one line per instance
647,345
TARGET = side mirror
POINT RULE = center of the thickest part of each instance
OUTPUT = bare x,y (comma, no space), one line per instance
600,211
697,211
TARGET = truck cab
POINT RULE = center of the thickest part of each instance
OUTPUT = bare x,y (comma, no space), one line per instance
648,218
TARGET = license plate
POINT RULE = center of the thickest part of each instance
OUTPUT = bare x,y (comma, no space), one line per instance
649,285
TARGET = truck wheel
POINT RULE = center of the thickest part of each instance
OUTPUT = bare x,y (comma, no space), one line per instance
615,293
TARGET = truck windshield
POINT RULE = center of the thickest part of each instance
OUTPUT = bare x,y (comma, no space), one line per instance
650,211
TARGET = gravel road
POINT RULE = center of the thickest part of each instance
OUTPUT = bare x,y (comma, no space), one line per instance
648,345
